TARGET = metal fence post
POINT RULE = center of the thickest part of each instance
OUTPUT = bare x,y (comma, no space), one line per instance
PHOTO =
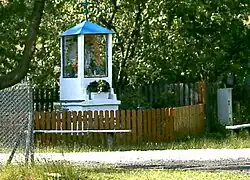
29,138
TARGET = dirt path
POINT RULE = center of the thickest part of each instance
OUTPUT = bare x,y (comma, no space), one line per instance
209,159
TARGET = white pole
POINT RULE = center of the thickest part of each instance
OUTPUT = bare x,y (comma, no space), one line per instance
109,39
81,131
30,125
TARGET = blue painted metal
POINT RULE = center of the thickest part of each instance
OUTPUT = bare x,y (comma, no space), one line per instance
86,27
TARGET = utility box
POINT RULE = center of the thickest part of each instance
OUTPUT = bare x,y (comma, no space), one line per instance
224,106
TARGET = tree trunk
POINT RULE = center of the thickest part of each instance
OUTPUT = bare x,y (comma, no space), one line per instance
22,68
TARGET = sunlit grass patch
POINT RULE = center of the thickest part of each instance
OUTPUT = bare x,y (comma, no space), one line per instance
67,171
214,141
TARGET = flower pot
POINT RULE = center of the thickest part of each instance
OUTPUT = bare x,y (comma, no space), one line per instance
99,95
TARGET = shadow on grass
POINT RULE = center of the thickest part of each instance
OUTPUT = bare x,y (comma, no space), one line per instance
211,140
218,138
58,171
70,172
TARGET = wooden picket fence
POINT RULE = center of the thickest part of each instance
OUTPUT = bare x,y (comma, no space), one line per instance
152,125
151,95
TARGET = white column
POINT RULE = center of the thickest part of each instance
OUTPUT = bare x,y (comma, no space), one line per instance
62,68
109,39
81,64
80,41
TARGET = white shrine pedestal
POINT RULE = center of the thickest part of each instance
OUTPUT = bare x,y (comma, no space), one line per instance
86,69
91,106
97,102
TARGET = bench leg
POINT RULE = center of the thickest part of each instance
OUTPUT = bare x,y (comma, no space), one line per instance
248,129
110,137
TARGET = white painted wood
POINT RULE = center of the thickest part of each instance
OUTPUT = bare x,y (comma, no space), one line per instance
109,39
73,91
81,57
186,95
181,94
83,131
94,105
99,96
70,89
224,105
61,46
238,126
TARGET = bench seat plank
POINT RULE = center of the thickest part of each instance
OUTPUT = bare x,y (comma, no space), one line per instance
238,126
84,131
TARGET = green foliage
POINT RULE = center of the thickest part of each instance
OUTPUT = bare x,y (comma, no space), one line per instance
155,40
217,129
167,99
133,100
99,86
14,22
207,141
97,172
241,105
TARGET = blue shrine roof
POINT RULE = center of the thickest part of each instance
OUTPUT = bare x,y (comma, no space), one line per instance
86,27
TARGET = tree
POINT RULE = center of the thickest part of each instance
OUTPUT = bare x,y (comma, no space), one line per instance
155,40
21,69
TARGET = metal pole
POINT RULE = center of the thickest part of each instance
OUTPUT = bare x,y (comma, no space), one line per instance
32,147
30,125
17,143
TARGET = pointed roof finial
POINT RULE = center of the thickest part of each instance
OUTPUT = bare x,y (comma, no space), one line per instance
86,11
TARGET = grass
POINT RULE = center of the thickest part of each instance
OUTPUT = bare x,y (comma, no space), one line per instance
65,171
215,141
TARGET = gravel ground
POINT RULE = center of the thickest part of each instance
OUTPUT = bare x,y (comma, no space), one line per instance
203,159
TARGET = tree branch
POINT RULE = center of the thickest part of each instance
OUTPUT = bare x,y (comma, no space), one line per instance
130,51
22,68
109,24
135,32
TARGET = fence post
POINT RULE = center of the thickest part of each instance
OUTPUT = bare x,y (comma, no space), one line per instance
153,125
134,127
207,106
29,137
204,95
139,125
202,92
149,125
117,126
171,124
202,117
158,125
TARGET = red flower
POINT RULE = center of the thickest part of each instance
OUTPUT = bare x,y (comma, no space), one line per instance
75,66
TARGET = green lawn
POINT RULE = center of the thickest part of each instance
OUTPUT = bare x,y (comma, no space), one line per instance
215,141
208,141
95,173
67,171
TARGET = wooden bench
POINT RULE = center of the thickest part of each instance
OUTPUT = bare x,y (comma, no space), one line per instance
110,132
237,128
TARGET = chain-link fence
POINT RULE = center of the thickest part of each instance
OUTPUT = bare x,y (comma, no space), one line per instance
15,111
